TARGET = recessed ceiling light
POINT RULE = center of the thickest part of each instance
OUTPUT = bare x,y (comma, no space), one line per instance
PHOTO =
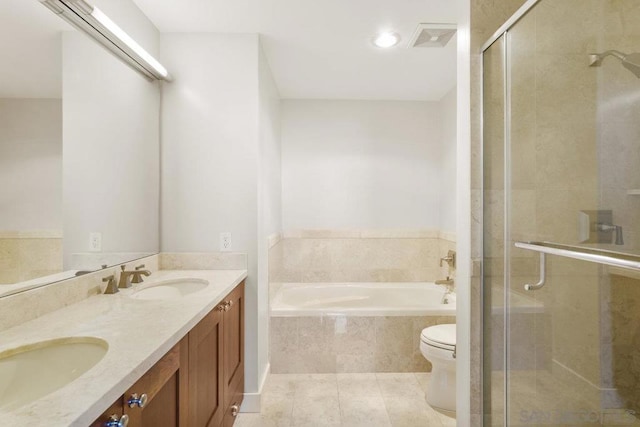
386,39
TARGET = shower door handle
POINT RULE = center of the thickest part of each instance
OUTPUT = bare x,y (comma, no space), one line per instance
541,282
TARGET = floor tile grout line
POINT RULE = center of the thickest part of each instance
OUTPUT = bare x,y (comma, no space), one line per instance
384,401
339,405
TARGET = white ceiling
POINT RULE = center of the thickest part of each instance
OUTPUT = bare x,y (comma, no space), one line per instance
30,50
322,49
316,48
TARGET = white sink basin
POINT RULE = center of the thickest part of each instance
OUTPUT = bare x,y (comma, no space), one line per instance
170,289
32,371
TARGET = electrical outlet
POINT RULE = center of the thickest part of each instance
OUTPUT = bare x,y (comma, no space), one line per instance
225,241
95,242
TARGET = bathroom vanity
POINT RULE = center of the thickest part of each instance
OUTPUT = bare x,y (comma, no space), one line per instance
168,359
199,382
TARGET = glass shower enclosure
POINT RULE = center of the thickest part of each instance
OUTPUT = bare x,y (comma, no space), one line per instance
561,216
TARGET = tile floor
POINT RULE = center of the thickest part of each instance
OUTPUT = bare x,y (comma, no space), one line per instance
347,400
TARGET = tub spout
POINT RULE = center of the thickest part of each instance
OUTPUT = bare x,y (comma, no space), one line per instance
448,281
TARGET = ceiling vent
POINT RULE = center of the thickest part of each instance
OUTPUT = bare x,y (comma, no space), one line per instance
432,35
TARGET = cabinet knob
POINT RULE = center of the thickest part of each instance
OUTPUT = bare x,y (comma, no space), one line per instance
114,421
222,307
134,400
235,409
229,304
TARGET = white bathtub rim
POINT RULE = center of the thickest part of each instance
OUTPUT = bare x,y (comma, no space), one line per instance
448,312
280,309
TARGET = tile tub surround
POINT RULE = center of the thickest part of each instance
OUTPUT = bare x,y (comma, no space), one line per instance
349,344
349,400
310,256
132,351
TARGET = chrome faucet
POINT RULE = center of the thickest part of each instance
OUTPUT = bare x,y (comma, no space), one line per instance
601,226
126,276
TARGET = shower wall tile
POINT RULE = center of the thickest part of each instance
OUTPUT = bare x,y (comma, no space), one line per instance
568,26
618,132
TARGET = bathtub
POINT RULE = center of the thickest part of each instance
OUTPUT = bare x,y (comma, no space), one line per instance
362,299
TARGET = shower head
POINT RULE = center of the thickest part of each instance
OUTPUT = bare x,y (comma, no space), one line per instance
631,61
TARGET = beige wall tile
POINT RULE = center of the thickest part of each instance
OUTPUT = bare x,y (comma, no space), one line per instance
28,305
327,256
203,261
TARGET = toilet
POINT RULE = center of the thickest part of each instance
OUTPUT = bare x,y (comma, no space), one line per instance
438,346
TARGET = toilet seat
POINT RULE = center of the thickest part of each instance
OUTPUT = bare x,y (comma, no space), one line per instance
440,336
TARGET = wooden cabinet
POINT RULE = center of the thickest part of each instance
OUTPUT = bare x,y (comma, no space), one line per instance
206,404
198,383
159,397
216,363
112,415
233,329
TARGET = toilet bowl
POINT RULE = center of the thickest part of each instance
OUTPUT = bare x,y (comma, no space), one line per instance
438,346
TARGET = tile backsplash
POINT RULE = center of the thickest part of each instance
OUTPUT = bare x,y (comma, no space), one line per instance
24,306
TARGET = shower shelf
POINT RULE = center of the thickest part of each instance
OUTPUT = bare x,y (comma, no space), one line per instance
634,192
598,256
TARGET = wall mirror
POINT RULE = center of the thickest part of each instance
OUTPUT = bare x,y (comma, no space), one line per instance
79,150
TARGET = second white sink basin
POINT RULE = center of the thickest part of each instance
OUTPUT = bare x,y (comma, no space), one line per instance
32,371
170,289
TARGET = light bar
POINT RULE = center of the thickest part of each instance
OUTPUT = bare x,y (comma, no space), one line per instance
98,26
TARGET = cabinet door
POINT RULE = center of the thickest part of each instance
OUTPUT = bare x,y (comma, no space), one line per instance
114,413
206,405
164,388
233,323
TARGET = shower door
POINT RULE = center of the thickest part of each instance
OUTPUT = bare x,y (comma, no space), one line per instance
561,213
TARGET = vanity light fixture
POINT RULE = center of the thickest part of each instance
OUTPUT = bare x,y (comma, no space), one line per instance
98,26
386,39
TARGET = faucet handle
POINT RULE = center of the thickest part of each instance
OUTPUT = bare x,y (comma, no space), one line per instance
449,259
112,286
137,274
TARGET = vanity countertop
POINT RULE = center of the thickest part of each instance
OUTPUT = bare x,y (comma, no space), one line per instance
139,333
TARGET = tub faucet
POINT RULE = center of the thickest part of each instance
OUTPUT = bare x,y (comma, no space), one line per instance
448,282
126,276
449,259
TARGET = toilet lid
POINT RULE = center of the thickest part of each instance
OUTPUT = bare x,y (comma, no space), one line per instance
440,335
